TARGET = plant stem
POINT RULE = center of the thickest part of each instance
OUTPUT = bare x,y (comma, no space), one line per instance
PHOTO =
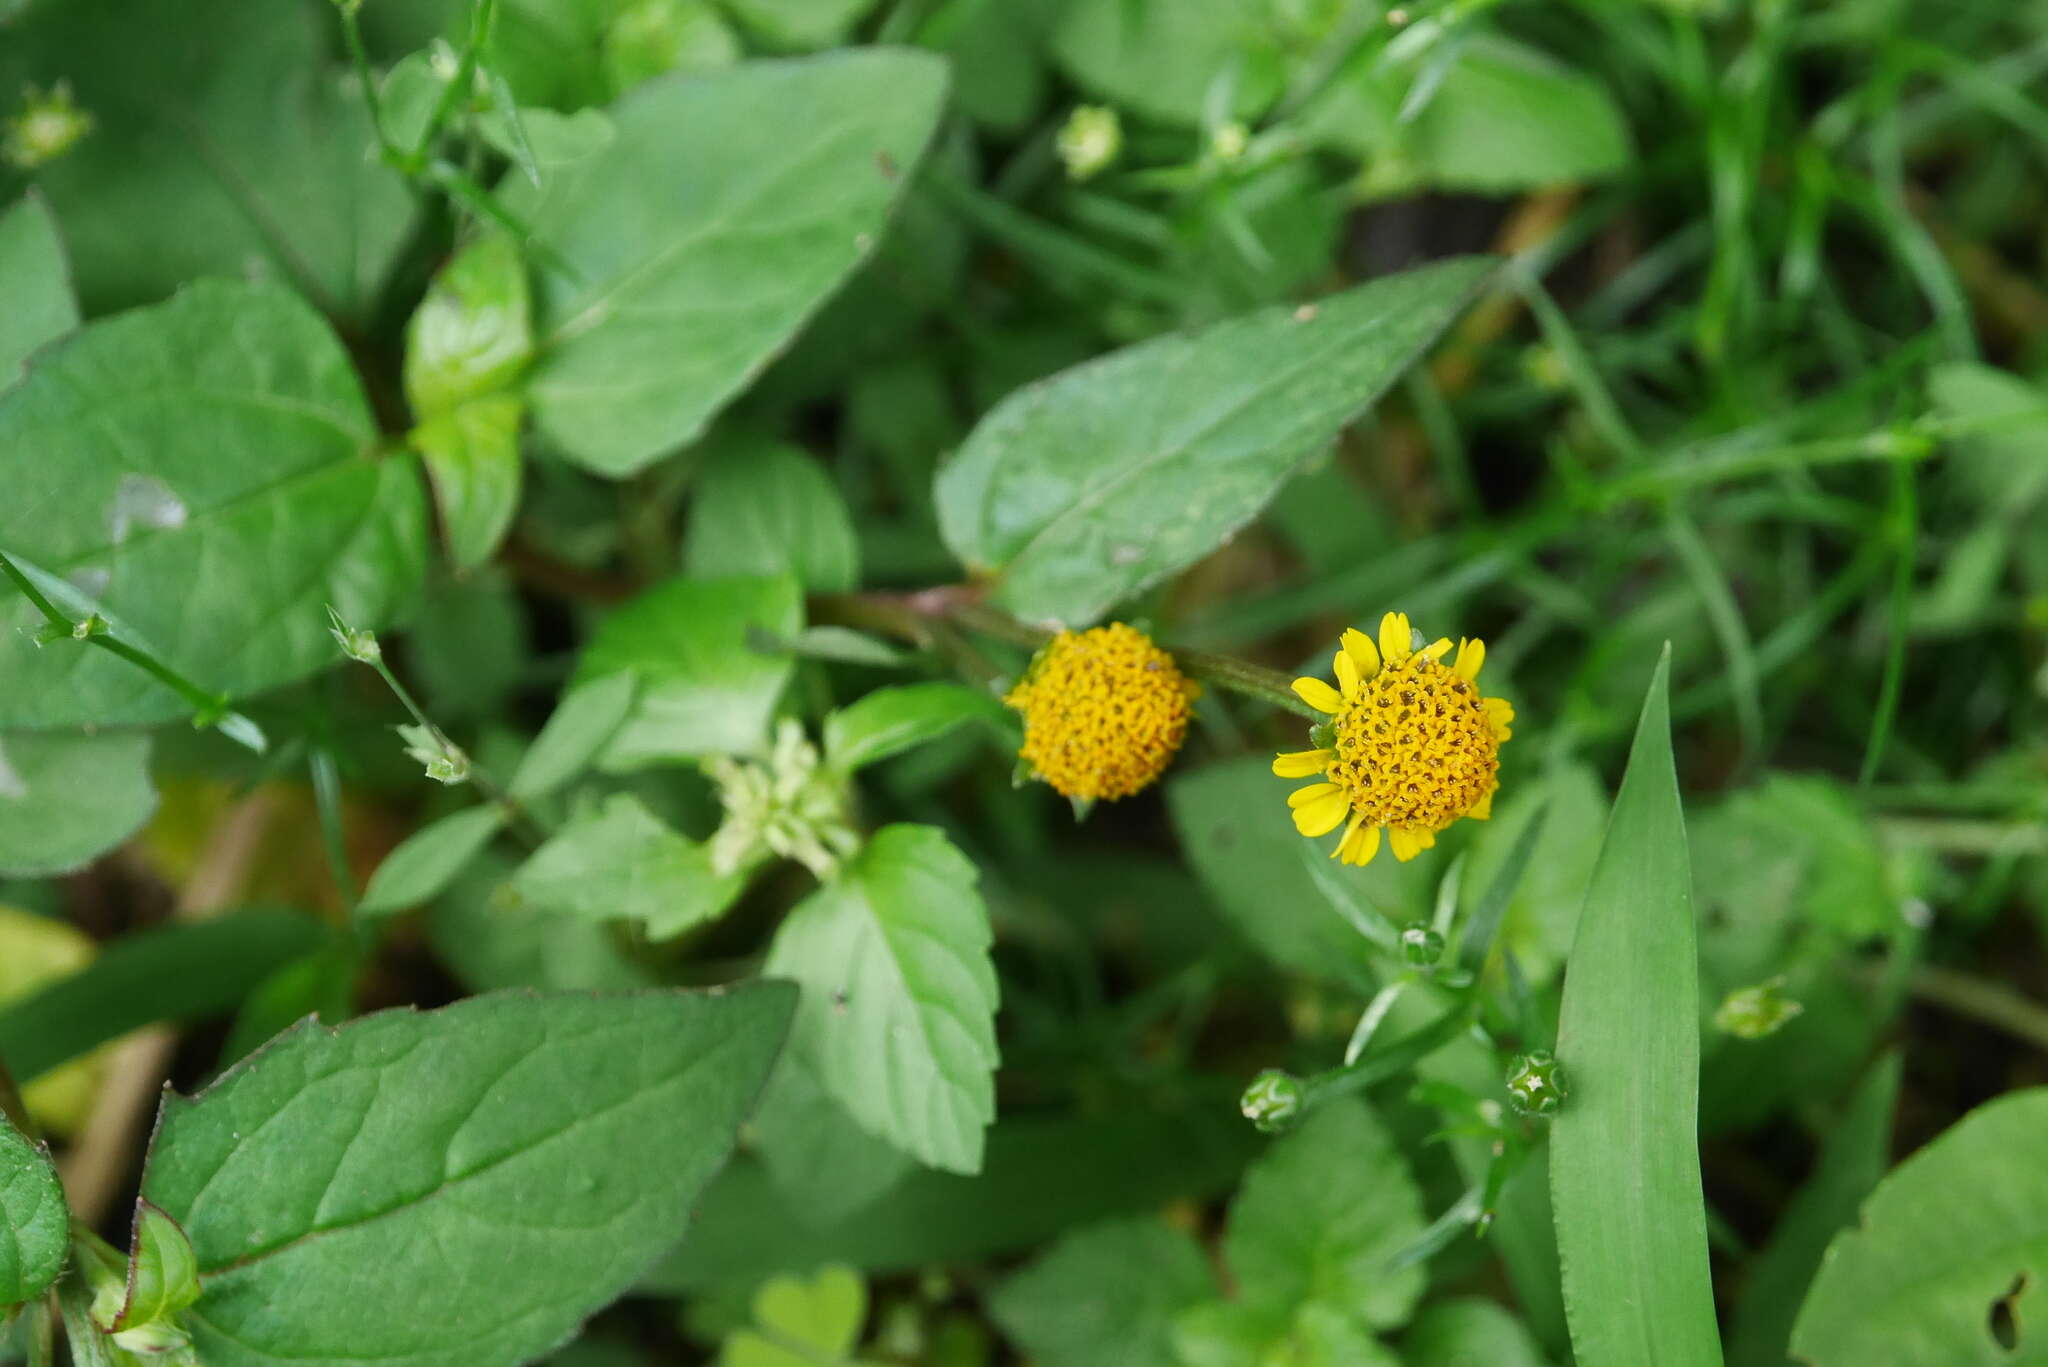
1989,1002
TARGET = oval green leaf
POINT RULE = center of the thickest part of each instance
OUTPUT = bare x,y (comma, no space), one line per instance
35,1225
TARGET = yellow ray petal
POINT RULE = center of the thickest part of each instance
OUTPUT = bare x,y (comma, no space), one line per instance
1301,797
1406,843
1360,648
1319,695
1323,815
1500,712
1396,638
1347,673
1471,655
1482,809
1350,831
1362,847
1436,649
1302,763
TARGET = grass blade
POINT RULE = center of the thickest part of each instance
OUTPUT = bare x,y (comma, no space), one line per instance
1624,1165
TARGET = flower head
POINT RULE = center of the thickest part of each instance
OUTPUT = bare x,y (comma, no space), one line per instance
1104,712
786,803
1411,745
48,126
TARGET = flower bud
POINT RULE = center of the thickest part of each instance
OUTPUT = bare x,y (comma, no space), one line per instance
360,646
1421,946
1229,141
47,127
1090,140
1274,1100
1755,1011
444,760
1536,1083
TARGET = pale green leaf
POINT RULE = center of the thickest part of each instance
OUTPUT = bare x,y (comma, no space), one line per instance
619,861
822,1315
163,1271
204,474
35,1225
472,454
794,25
428,860
1320,1216
473,333
35,280
1105,1296
1082,489
222,147
897,1018
889,721
2002,465
817,1157
766,509
1231,1334
67,799
1469,1332
694,246
1624,1160
705,686
1850,1164
584,720
1162,57
552,140
457,1187
1955,1229
490,938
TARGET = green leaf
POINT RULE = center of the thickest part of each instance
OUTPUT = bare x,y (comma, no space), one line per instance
455,1187
694,246
1467,1331
1319,1217
898,1011
812,1323
584,720
202,474
472,454
1160,57
1955,1229
818,1158
1850,1164
791,25
765,508
705,688
491,939
35,1224
552,140
1105,1296
1542,912
67,799
473,333
889,721
428,860
220,148
1624,1161
179,973
1087,487
2001,465
35,279
1229,1334
619,861
163,1271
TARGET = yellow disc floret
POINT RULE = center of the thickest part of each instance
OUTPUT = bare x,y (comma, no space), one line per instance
1104,712
1412,745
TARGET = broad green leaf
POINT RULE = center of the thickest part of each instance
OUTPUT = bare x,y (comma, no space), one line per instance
1624,1159
889,721
898,1011
66,799
1044,1176
35,279
552,140
1161,57
179,973
802,1322
35,1224
473,333
1957,1228
428,860
203,473
163,1271
220,148
584,720
1105,1296
686,254
490,938
569,53
1469,1332
321,984
653,37
1231,1334
472,454
619,861
766,509
1850,1164
795,25
705,686
1320,1215
819,1159
1085,488
456,1187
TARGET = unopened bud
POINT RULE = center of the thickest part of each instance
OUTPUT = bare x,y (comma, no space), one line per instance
1229,141
443,759
1274,1100
1755,1011
1536,1083
47,127
1090,140
360,646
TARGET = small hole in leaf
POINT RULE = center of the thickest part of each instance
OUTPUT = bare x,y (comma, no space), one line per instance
2004,1324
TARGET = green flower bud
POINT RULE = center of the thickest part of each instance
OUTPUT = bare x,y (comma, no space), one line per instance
1536,1083
1274,1100
360,646
47,127
1090,140
1229,141
1421,946
1755,1011
444,760
787,803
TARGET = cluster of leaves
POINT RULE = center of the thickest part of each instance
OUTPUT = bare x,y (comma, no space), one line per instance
678,419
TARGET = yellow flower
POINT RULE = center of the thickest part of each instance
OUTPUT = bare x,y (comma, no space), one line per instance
1104,712
1411,745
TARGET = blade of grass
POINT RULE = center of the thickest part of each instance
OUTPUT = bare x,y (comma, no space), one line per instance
1855,1157
1624,1169
1906,537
